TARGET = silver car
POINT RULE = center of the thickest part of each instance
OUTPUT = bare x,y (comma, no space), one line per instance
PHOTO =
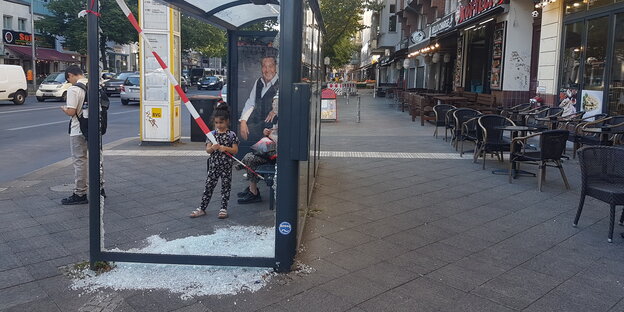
131,90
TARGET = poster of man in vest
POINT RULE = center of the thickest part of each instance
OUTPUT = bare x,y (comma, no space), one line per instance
258,112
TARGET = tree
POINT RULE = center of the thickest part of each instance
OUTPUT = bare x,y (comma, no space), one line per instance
202,37
65,22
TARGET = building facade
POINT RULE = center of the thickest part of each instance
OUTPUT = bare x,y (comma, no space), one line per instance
581,59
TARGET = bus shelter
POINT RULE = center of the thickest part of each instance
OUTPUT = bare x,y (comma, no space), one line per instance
295,46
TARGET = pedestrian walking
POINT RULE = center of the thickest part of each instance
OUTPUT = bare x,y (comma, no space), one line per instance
219,163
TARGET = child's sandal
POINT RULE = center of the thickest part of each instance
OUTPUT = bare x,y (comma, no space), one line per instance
197,213
223,214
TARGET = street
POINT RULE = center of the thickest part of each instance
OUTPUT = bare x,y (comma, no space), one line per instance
34,135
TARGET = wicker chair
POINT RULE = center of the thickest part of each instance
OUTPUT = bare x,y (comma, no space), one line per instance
512,112
602,172
490,139
469,130
460,116
449,123
551,146
440,116
584,138
532,120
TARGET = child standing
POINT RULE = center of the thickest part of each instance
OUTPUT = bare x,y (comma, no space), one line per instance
220,164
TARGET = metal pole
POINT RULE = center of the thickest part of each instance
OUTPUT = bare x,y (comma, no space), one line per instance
347,95
357,118
94,137
32,40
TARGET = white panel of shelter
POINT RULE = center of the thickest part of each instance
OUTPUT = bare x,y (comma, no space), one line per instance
242,14
156,83
154,15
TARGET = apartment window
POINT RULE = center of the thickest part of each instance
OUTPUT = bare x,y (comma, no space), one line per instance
393,23
393,8
7,22
21,24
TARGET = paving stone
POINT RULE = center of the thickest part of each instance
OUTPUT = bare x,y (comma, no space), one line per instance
13,277
20,294
350,238
354,288
316,300
517,288
43,305
351,259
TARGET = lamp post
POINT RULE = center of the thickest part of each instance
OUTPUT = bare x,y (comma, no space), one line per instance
32,42
326,61
406,64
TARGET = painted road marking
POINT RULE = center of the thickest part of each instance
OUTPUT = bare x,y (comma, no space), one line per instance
63,121
28,110
329,154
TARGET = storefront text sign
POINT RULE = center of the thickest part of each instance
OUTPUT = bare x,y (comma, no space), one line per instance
444,24
475,8
24,39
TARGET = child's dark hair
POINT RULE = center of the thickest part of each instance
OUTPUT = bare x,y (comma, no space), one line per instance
221,111
74,70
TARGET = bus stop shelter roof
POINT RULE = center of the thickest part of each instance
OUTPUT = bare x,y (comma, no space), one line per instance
229,14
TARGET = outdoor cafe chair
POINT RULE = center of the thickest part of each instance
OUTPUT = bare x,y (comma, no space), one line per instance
490,138
584,138
533,119
440,116
512,112
449,123
468,133
551,146
575,127
602,176
460,116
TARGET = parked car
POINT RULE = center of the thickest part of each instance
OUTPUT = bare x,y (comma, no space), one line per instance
224,93
130,90
107,76
184,84
54,86
113,86
209,83
13,84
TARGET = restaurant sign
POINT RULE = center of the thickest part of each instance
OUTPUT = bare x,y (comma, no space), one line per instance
24,39
476,8
443,24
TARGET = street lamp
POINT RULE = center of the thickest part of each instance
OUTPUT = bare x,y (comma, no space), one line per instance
406,65
32,41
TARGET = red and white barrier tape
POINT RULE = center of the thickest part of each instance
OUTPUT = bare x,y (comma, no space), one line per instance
200,122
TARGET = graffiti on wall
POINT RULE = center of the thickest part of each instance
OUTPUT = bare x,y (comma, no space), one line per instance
520,67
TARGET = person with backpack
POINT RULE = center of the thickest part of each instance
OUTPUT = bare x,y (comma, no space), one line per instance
76,107
219,163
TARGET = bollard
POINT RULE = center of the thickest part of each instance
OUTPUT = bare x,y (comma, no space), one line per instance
357,117
347,96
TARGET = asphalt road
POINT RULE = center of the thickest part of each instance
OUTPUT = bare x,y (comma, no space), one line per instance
34,135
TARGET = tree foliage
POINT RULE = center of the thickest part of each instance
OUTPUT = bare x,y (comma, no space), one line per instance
202,37
65,22
342,20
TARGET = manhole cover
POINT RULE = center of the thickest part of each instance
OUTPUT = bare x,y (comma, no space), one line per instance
63,188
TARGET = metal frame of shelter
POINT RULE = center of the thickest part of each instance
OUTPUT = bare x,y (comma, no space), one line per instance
292,105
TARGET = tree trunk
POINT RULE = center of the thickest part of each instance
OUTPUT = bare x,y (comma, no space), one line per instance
103,53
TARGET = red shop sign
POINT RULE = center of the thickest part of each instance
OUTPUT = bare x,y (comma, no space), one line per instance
475,8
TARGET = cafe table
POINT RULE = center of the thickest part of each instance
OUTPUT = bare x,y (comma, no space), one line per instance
449,99
604,133
514,134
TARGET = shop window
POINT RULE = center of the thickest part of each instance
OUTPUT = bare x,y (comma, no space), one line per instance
393,23
596,53
616,87
573,6
7,22
21,24
599,3
393,8
572,51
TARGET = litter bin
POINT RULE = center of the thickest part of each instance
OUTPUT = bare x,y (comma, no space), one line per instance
204,104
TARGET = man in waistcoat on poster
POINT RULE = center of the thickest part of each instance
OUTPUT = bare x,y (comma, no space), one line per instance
258,115
258,108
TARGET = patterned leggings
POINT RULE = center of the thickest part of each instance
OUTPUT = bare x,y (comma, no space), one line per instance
253,162
211,182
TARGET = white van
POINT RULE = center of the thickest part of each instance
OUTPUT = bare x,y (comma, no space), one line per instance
13,84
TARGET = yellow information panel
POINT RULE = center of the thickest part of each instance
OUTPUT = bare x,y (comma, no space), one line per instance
161,26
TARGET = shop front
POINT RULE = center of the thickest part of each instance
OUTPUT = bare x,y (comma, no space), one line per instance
486,62
591,71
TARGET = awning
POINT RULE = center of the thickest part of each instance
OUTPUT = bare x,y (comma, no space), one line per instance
43,54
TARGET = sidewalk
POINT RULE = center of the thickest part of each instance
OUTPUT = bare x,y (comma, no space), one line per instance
404,225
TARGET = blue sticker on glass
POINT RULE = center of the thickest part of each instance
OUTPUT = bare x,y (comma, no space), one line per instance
285,228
